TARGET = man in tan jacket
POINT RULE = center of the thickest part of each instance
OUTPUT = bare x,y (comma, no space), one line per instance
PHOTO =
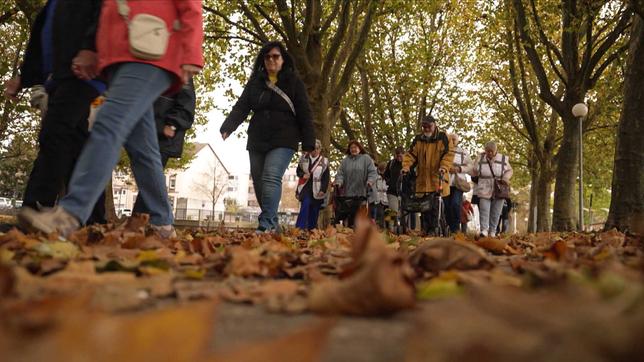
432,154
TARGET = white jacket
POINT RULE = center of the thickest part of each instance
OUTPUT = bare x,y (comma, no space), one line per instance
502,170
462,160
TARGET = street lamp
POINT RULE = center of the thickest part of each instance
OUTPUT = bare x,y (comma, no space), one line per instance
580,110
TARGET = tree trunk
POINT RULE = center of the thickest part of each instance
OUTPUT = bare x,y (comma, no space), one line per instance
544,188
533,195
564,215
627,195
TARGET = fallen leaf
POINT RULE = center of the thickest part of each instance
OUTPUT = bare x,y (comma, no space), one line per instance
612,237
493,245
243,262
379,284
444,254
437,288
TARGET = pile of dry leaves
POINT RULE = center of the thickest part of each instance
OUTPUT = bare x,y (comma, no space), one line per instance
113,292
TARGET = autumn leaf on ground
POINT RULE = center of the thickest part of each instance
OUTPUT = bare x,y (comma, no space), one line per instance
380,283
444,254
493,245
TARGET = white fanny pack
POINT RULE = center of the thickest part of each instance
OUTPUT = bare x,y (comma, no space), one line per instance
148,35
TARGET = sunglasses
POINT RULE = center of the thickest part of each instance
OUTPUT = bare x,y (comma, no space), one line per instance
272,56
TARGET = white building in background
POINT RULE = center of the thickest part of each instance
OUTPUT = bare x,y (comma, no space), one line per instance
200,187
192,191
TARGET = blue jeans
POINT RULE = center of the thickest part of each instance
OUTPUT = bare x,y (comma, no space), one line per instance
489,214
453,209
309,211
125,119
267,169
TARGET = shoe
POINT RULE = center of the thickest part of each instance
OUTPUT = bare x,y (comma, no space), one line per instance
48,221
261,230
492,235
483,234
164,231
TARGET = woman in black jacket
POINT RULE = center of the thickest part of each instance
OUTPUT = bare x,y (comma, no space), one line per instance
281,119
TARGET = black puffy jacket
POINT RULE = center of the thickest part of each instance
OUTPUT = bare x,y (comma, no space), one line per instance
273,124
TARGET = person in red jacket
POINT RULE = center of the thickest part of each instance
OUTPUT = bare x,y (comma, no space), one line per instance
467,213
127,116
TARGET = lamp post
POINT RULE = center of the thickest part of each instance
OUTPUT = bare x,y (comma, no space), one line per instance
580,110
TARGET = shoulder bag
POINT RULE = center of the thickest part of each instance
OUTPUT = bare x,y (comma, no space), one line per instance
148,35
501,189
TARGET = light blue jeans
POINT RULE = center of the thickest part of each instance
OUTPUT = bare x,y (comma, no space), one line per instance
489,214
267,169
125,119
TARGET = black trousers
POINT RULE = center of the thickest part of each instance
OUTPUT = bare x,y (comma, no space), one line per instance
62,136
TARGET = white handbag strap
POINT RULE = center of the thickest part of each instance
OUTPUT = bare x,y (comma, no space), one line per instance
124,10
281,93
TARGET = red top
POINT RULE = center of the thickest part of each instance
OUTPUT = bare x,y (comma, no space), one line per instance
184,46
466,209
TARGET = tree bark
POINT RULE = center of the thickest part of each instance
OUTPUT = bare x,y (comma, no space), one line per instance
544,188
534,176
627,195
564,214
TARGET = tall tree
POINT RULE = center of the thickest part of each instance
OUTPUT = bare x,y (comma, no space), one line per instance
412,65
627,197
588,33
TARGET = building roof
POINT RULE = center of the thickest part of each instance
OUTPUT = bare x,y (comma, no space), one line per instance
198,147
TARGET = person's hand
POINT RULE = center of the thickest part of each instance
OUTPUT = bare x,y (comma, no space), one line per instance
404,171
369,184
453,169
306,176
188,71
85,65
224,135
320,194
12,87
169,131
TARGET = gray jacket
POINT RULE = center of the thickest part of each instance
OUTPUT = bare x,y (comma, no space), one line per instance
354,173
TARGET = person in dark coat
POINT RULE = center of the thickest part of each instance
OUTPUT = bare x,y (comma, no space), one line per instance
63,33
281,120
173,115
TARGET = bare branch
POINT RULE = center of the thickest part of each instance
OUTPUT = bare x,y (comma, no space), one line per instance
230,22
618,30
272,22
609,60
357,49
331,17
253,20
544,84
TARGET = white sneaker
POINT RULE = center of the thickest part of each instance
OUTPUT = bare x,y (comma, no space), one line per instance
164,231
484,233
492,235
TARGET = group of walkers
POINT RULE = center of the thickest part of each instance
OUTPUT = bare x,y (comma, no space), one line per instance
434,162
141,57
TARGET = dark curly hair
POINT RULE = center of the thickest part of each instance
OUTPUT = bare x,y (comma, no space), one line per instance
259,71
